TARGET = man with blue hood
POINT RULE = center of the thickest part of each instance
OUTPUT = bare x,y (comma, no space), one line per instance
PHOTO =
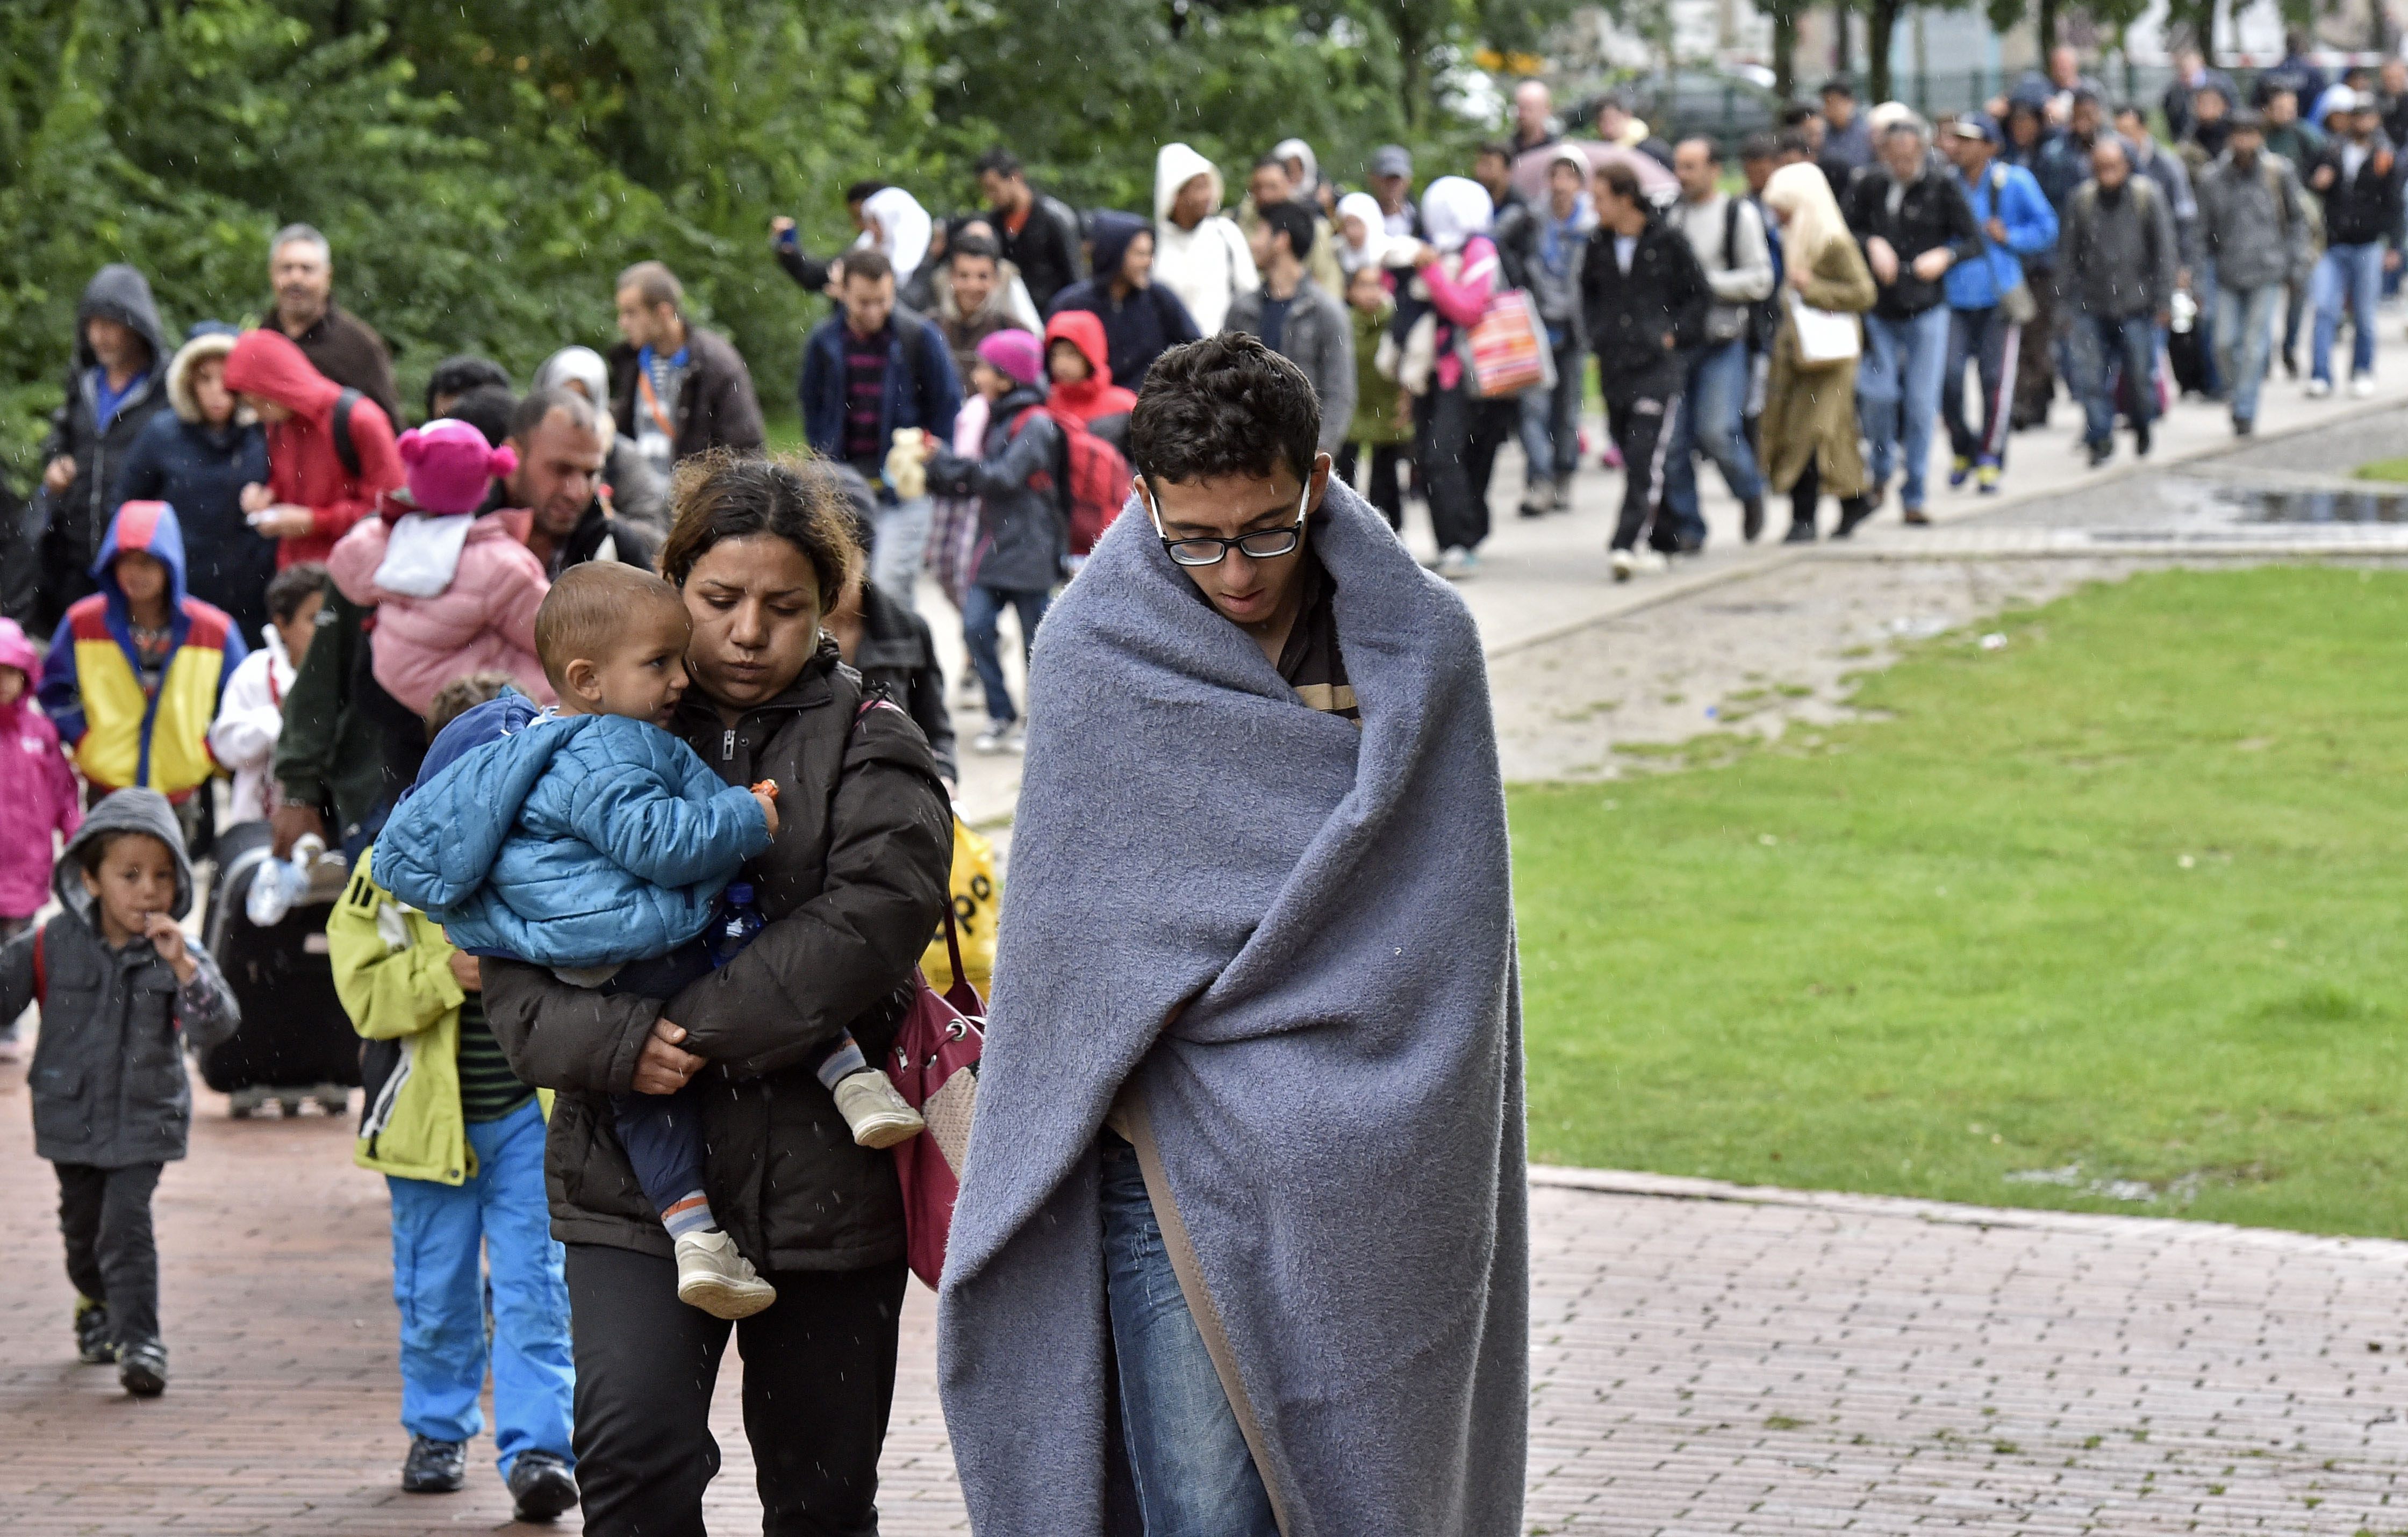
114,387
138,669
1143,319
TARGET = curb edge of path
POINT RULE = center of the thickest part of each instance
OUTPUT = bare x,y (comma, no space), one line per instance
1760,559
1620,1182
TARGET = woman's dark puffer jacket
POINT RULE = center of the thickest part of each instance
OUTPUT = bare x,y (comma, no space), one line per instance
853,886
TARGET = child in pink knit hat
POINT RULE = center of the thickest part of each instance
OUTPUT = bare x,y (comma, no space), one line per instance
37,797
456,591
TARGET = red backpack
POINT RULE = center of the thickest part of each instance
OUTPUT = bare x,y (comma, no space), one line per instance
1095,480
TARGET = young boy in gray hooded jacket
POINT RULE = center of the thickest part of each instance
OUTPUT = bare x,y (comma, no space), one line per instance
121,991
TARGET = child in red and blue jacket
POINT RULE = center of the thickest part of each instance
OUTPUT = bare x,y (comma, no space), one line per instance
136,670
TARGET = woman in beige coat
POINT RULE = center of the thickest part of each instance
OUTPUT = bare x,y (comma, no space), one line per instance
1809,409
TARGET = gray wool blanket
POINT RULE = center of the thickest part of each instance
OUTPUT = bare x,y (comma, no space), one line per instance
1336,1111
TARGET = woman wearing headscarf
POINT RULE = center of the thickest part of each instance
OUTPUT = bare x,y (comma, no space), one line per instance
893,223
1362,232
1457,272
1809,409
1143,319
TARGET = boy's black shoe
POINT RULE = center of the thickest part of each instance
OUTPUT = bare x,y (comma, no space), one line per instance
542,1487
142,1368
93,1346
435,1466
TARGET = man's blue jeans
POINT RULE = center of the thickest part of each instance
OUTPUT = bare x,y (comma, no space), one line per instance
437,1230
1194,1473
2109,350
2244,342
2350,275
1550,420
1718,398
1903,364
982,608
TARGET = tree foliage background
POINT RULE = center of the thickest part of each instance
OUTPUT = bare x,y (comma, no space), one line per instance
483,170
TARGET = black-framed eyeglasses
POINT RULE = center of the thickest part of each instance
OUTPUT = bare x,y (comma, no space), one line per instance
1268,544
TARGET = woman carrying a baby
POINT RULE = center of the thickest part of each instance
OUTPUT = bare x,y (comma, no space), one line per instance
840,797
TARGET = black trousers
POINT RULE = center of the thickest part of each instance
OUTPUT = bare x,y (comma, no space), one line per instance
105,1214
819,1383
1387,492
1809,491
1458,456
1641,425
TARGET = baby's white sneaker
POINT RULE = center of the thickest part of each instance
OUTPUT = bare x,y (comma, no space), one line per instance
714,1277
874,1108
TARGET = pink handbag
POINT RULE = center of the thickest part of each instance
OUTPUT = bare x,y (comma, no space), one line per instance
935,1064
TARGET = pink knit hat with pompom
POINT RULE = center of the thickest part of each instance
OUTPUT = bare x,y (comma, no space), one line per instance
450,464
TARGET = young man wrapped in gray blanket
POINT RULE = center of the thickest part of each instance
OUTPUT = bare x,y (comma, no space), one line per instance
1247,1173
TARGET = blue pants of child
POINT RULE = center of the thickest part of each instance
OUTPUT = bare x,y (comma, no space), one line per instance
444,1295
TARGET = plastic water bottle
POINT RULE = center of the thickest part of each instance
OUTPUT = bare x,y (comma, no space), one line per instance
282,882
739,920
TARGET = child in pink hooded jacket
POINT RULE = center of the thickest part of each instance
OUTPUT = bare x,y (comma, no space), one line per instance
454,593
38,796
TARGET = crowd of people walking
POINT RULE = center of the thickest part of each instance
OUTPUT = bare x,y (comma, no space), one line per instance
633,744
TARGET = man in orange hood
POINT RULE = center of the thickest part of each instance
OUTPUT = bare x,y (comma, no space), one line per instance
330,451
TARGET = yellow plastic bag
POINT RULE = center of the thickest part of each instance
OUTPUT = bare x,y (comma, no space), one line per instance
978,897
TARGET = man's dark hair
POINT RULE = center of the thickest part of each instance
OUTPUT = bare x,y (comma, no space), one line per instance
460,373
1713,148
2117,111
1292,220
1502,152
966,245
1795,113
1620,181
542,403
1268,158
2085,94
861,192
1002,160
291,587
1793,143
1839,85
1227,404
488,408
1613,99
720,496
871,265
1758,146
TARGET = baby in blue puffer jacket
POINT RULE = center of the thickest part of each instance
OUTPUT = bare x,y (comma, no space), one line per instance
592,840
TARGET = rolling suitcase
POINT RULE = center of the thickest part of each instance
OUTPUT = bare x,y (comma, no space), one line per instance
296,1046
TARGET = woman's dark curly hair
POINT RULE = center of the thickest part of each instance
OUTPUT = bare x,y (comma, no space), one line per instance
723,495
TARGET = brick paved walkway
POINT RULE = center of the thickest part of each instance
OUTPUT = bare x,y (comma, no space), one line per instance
1704,1365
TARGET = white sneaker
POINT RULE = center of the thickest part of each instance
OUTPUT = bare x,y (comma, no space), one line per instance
712,1276
1624,563
2319,388
2361,387
1456,563
874,1108
1000,738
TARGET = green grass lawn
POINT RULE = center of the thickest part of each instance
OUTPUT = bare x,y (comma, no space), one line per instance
2385,469
2127,893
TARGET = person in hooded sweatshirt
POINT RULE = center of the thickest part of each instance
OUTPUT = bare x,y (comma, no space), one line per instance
112,391
315,490
1079,367
138,669
1198,253
1142,318
197,457
123,993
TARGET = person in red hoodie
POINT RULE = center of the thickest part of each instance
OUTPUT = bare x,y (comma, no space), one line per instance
315,490
1077,361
